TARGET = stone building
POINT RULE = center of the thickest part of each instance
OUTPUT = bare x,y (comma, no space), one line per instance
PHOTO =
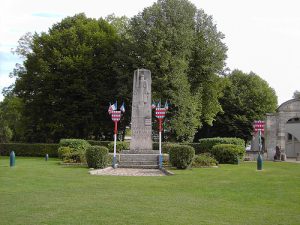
282,129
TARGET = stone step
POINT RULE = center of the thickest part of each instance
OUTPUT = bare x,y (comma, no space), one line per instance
138,163
139,166
140,152
138,157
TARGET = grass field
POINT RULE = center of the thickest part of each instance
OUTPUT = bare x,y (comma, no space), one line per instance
39,192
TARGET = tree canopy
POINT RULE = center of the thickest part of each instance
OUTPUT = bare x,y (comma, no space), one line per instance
73,71
68,78
246,98
185,52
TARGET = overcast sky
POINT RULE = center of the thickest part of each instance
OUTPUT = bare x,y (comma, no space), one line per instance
262,36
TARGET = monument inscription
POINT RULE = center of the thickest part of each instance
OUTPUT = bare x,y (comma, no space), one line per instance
141,116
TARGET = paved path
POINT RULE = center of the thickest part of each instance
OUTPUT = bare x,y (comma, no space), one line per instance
127,172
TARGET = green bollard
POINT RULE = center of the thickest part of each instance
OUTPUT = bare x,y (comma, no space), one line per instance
259,162
12,159
46,157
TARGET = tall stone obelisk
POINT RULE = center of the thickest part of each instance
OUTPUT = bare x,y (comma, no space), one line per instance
141,116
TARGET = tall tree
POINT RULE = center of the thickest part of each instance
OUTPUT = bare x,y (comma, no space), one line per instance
68,78
247,97
183,49
11,109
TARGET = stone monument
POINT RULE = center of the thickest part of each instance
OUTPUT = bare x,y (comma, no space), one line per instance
141,116
140,154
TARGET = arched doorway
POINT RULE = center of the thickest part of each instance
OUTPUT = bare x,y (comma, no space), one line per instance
292,143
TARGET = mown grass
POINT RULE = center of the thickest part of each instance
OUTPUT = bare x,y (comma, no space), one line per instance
39,192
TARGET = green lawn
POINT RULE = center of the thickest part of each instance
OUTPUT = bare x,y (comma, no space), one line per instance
39,192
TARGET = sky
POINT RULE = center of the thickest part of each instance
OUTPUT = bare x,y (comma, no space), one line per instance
262,36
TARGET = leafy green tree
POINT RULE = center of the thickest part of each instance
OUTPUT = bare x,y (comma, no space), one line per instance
11,116
69,76
247,97
183,49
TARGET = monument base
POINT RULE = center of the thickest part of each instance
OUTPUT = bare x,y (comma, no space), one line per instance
140,159
140,152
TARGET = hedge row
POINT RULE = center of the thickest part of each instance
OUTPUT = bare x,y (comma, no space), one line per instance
206,144
22,149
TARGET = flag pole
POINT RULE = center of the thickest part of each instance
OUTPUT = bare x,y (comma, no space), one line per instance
115,144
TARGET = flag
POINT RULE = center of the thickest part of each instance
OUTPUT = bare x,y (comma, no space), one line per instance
166,105
158,105
153,106
115,106
110,109
122,108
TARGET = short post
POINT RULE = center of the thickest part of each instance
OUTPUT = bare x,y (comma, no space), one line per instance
12,159
46,157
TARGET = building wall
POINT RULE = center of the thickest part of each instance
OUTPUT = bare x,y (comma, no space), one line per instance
276,127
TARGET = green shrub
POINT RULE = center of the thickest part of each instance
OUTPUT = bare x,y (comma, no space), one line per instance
181,156
77,144
206,144
97,156
69,155
121,145
203,160
228,153
32,150
98,143
78,149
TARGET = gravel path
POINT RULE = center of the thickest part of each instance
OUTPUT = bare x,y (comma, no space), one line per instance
127,172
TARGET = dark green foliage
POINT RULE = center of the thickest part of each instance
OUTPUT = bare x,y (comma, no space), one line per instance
165,146
22,149
228,153
78,148
96,156
69,76
246,97
184,51
121,145
77,144
204,160
181,156
99,143
206,144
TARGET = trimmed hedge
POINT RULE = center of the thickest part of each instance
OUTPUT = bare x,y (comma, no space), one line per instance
228,153
204,160
121,145
98,143
181,156
77,150
97,156
206,144
24,149
77,144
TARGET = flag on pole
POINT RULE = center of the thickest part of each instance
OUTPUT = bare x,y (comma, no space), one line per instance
115,106
110,109
122,108
158,105
153,106
166,105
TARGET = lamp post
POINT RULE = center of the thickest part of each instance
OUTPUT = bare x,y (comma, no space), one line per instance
160,113
259,127
115,116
